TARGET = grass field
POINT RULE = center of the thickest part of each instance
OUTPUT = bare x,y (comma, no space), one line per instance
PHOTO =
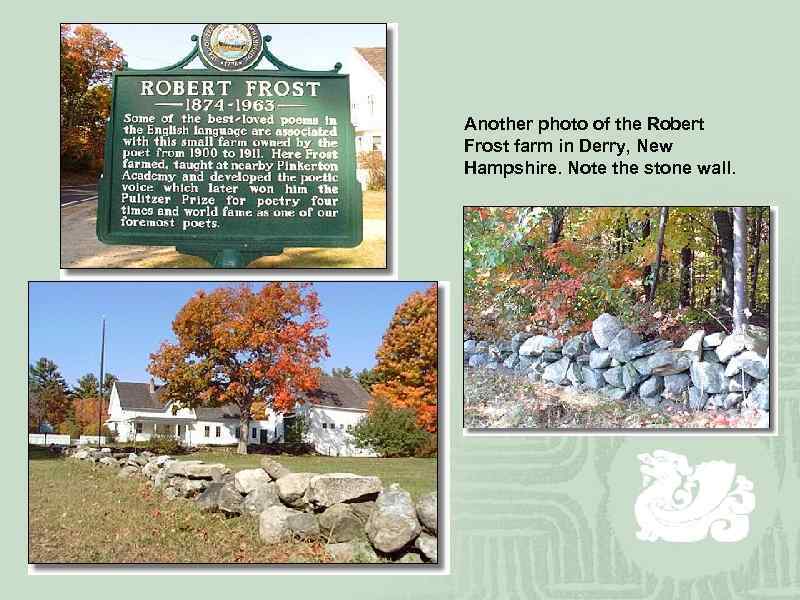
80,513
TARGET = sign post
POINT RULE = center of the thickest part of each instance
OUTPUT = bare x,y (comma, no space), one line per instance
230,162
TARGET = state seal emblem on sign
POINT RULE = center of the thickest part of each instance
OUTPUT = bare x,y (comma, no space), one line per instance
230,47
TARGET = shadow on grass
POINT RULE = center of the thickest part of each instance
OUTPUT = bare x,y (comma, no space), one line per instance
41,453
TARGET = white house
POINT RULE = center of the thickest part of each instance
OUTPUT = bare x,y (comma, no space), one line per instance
368,101
137,412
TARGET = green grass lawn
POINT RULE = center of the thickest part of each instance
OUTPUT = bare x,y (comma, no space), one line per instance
79,512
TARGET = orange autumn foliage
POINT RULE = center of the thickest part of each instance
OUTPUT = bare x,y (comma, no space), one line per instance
86,412
407,368
244,347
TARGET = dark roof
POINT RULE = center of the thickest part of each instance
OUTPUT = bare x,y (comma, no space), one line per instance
376,57
339,392
229,411
137,396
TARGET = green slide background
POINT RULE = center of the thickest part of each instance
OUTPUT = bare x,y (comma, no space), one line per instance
543,517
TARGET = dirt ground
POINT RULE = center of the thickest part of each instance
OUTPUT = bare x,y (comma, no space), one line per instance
80,248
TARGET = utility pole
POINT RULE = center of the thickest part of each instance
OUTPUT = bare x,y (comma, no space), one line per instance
100,387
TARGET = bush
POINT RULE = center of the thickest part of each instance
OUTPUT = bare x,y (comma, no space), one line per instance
70,428
390,431
163,444
429,449
91,429
375,165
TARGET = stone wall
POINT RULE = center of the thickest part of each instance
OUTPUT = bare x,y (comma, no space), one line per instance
727,372
357,518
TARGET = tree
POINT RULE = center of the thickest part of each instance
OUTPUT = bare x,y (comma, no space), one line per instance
407,359
367,378
345,372
739,267
236,346
724,225
44,373
756,259
48,395
88,412
662,228
87,386
389,430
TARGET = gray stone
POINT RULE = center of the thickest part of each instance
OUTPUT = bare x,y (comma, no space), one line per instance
740,383
622,342
652,386
538,344
136,460
410,558
643,365
573,346
582,359
128,471
588,342
697,399
605,328
731,346
614,393
599,359
505,348
557,372
710,356
709,377
428,546
248,480
338,523
732,399
362,509
548,356
630,377
334,488
470,346
208,501
229,501
110,462
712,340
352,552
759,395
292,488
214,471
273,468
188,488
262,497
482,347
651,401
670,362
647,348
280,523
427,508
614,377
593,378
511,361
478,360
575,374
675,385
523,364
750,362
492,365
170,493
534,376
178,468
756,338
694,343
518,339
393,524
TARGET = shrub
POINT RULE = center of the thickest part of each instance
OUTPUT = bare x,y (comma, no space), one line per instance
295,428
91,429
163,444
70,428
375,165
429,449
389,431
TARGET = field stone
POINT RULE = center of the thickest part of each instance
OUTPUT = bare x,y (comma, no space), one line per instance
339,523
208,501
593,378
709,377
710,356
292,488
427,545
573,346
410,558
149,470
675,385
642,365
759,395
750,362
756,339
248,480
732,345
652,386
470,346
273,468
189,488
712,340
179,467
230,501
264,496
333,488
539,344
478,360
171,493
670,362
511,361
518,339
127,472
599,359
362,509
732,399
740,383
694,343
622,342
647,348
630,377
614,376
427,508
605,328
279,523
614,393
393,524
108,461
697,399
651,401
575,374
352,552
213,471
557,371
548,356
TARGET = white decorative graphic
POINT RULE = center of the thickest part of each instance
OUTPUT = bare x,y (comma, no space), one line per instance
682,503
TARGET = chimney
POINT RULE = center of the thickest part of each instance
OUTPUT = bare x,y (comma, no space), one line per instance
152,386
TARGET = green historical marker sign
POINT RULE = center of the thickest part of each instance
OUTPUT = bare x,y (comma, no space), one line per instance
230,163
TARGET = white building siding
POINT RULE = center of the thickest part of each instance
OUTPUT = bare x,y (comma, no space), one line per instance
367,109
329,430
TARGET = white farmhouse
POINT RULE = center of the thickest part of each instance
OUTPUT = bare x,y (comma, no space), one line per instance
137,412
368,101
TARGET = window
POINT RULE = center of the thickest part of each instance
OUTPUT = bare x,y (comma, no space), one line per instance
138,428
324,425
238,432
349,428
377,140
207,431
255,433
218,431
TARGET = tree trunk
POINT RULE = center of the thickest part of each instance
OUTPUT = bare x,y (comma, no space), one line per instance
244,426
739,267
557,224
686,277
756,258
724,225
662,228
647,268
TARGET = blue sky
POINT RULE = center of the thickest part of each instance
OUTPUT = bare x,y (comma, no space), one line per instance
309,46
65,321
